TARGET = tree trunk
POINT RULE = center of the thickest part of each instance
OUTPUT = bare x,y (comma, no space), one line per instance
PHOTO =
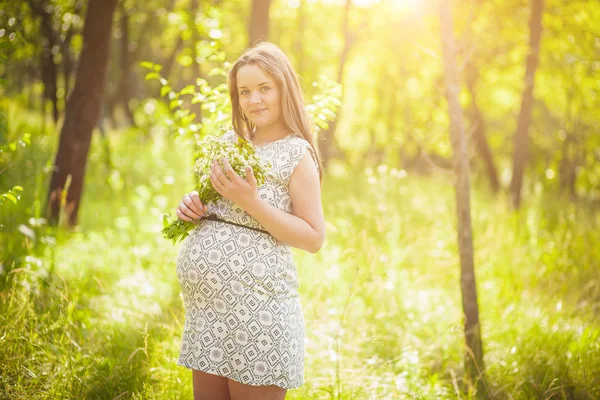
259,21
49,77
481,143
126,77
49,68
568,166
82,111
68,63
474,367
299,38
170,60
521,138
195,108
330,147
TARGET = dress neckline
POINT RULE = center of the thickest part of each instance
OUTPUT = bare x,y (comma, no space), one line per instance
274,141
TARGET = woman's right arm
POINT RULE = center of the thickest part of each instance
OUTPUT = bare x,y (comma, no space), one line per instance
190,207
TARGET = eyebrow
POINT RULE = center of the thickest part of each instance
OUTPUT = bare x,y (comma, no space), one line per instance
260,84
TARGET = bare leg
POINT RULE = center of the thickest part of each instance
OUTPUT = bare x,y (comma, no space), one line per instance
209,386
239,391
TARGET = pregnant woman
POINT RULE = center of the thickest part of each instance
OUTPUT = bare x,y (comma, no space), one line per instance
244,328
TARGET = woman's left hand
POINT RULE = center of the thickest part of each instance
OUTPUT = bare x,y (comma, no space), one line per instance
231,186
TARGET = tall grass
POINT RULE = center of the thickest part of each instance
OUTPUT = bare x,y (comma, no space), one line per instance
97,314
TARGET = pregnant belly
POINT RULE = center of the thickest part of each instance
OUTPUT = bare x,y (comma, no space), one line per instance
219,258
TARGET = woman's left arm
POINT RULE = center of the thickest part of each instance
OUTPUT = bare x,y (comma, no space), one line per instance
305,227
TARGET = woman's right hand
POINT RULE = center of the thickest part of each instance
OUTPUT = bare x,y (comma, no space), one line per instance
190,207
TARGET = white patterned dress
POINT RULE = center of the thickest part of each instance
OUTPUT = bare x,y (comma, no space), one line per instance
243,317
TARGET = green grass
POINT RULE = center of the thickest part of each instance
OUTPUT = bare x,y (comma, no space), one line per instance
97,313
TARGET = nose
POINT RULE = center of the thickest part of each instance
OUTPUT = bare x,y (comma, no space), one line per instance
255,98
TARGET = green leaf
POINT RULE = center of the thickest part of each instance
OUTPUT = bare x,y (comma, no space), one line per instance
164,90
189,89
321,124
198,98
146,64
217,71
152,75
174,103
10,196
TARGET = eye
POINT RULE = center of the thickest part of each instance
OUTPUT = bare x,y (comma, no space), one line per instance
265,89
244,92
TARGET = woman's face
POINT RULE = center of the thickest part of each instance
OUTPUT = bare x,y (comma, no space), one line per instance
259,96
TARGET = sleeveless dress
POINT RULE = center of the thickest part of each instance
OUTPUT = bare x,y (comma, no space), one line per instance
243,317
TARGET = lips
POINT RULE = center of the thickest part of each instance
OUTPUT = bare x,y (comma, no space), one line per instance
257,111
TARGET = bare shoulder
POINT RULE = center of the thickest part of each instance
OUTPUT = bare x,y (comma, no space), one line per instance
305,176
303,152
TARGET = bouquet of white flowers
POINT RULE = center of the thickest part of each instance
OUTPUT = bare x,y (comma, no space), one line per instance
240,155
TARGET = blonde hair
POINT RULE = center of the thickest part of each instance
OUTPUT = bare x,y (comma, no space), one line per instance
274,62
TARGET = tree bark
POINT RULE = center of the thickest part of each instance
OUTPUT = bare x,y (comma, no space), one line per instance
49,77
53,38
126,77
570,156
521,138
195,108
259,21
82,112
568,166
170,60
299,38
474,366
330,147
481,143
49,68
68,63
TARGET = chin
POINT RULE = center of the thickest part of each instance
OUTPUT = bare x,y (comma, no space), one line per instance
261,123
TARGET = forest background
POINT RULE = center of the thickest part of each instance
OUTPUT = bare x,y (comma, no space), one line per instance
89,301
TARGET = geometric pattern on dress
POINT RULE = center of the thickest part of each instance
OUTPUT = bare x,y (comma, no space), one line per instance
243,316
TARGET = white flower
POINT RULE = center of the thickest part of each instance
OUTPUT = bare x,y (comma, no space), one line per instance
240,155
